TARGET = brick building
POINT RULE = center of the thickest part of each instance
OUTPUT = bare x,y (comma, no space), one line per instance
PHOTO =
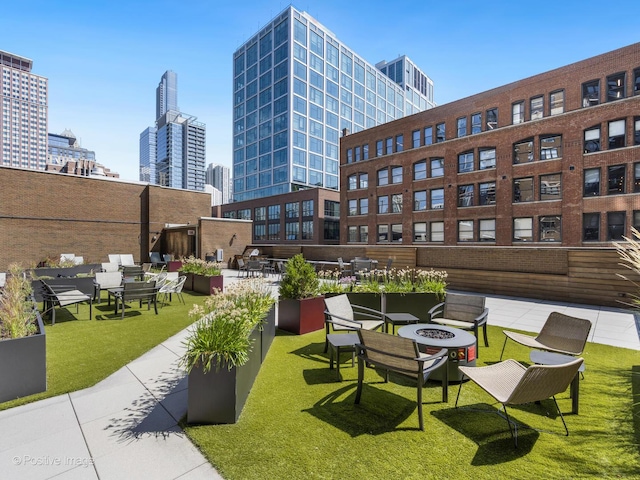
553,159
309,216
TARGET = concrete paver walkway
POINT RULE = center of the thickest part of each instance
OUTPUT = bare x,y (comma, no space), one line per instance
126,426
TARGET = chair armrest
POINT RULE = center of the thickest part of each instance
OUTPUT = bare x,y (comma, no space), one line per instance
434,310
367,311
442,353
482,317
329,318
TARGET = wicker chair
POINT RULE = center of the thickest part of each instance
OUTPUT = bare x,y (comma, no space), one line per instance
340,316
510,383
401,355
560,334
466,312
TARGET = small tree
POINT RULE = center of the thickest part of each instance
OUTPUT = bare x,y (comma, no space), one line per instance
299,280
17,315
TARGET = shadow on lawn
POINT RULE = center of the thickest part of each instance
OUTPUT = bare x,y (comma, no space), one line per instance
483,424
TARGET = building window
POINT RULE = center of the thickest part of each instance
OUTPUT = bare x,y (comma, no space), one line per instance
428,135
415,139
592,139
274,231
551,187
396,232
523,151
352,182
487,230
352,206
379,148
437,198
517,113
591,227
537,108
437,231
420,232
462,127
591,182
259,213
259,232
399,143
331,229
307,208
491,118
383,177
419,200
307,230
383,204
551,147
441,132
636,219
487,158
591,93
274,212
636,81
465,230
523,190
352,234
420,170
364,206
292,230
523,229
615,225
636,177
244,214
465,162
364,233
556,102
292,210
357,151
616,86
487,193
365,152
383,233
388,145
465,195
476,123
331,208
363,180
437,167
636,130
616,175
349,155
551,229
396,174
396,203
617,137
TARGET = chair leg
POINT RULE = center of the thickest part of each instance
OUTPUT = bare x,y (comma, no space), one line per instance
513,431
360,379
561,417
503,345
486,338
420,386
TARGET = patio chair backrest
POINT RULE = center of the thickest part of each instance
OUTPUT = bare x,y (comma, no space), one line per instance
397,353
167,257
154,257
339,306
108,279
67,257
563,332
127,259
465,308
110,267
114,258
3,279
540,382
361,265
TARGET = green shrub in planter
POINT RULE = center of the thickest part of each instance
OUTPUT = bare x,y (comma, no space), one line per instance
17,315
299,280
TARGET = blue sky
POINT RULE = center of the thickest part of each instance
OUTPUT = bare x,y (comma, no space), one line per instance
104,59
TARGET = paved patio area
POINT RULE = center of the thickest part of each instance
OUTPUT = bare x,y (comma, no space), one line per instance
127,425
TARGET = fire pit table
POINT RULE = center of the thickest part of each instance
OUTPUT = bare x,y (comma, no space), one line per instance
461,346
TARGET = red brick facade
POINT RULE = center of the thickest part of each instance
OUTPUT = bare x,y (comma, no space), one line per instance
550,207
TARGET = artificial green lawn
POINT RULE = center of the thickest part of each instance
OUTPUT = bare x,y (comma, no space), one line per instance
299,422
81,352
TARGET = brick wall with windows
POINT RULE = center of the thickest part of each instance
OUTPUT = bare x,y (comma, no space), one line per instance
528,163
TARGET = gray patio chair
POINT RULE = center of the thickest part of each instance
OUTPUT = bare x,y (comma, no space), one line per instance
401,355
110,267
511,383
254,267
173,286
242,267
156,260
466,312
345,270
63,296
341,316
560,334
105,281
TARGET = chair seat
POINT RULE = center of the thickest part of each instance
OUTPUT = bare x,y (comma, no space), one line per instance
454,323
529,341
498,379
366,324
70,297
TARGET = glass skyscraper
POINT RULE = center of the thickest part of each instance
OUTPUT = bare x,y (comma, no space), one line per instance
167,93
296,88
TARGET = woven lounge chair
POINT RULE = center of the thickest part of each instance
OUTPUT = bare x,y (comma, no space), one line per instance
340,316
560,334
466,312
510,383
401,355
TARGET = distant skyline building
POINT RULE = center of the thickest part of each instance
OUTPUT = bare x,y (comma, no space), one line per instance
219,177
66,155
167,94
173,153
296,89
24,114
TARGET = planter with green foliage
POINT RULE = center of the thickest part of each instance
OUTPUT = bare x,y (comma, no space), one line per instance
202,276
225,350
301,307
23,368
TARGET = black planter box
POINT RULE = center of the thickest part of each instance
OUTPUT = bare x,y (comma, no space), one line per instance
23,366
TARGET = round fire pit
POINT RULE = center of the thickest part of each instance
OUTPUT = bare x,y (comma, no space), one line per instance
432,338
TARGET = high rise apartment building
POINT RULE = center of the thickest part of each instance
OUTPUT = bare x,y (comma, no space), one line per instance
173,153
219,177
24,114
66,155
296,87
